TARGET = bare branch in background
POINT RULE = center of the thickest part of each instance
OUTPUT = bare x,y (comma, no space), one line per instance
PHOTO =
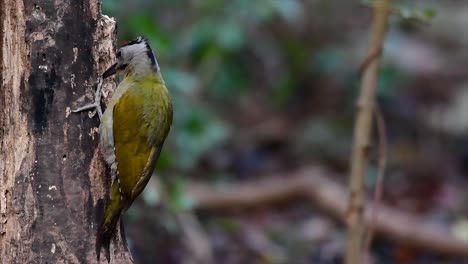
382,165
315,185
362,130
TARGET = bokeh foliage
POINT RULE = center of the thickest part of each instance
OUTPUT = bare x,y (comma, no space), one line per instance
207,51
262,86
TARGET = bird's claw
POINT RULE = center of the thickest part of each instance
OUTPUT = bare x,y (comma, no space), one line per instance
90,107
97,102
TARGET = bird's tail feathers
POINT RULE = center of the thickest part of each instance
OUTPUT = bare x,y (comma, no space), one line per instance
107,228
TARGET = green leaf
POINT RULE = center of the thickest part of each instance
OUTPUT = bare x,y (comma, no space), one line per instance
429,13
409,13
424,16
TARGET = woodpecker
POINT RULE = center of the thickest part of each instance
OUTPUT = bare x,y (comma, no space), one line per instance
132,132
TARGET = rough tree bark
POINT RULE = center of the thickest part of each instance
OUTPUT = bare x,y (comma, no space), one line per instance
53,184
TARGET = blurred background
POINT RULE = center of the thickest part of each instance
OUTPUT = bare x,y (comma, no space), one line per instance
264,89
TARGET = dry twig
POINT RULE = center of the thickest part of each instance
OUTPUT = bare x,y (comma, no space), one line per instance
382,165
362,129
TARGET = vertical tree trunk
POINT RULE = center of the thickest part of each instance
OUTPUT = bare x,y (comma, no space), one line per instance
53,183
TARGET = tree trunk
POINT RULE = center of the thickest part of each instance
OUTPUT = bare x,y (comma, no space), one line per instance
53,183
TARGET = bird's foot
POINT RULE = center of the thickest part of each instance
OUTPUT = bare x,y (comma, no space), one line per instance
96,104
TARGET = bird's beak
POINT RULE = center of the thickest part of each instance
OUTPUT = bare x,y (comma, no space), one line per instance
111,71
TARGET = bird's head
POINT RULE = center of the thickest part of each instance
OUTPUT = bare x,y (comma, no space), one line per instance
135,58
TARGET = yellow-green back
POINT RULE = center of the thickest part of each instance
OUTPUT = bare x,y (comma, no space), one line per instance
141,121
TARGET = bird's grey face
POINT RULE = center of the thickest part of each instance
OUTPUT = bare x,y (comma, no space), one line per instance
136,57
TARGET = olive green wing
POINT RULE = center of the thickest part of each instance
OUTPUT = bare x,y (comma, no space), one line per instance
135,157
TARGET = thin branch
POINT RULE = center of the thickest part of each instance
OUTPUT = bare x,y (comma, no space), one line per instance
362,129
382,165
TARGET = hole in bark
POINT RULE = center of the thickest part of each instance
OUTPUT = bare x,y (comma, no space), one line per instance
44,56
64,157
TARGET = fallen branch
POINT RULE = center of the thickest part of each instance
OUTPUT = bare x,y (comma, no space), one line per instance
315,185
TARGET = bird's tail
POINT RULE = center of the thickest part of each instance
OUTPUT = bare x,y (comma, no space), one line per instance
108,224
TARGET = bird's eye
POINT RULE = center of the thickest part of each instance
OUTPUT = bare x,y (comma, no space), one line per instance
123,66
